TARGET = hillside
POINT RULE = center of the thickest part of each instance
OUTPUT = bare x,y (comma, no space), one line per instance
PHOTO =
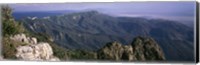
91,31
16,45
20,44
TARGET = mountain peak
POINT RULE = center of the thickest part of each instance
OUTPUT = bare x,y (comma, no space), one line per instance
92,11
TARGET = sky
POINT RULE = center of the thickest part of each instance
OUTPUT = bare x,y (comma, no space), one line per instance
180,11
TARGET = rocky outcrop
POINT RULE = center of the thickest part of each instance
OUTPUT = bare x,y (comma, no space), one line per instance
141,49
33,50
128,53
111,51
1,58
24,39
40,51
147,49
116,51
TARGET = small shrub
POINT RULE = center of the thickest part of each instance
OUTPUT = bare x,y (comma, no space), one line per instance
9,25
9,48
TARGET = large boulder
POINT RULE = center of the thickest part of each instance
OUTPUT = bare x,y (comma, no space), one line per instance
33,50
23,38
34,40
20,38
111,51
40,51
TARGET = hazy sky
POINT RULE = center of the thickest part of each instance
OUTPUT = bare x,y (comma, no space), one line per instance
169,10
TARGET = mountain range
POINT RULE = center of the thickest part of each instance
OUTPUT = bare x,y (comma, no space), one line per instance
39,14
91,31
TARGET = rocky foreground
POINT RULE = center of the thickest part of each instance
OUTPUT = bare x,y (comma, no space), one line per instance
141,49
33,50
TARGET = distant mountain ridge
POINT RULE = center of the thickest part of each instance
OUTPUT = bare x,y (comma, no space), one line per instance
92,30
20,15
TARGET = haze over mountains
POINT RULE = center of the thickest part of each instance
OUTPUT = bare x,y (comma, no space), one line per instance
39,14
178,11
91,30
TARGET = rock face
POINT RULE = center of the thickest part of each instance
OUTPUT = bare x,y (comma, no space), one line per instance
128,53
33,50
147,49
23,38
141,49
1,58
116,51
